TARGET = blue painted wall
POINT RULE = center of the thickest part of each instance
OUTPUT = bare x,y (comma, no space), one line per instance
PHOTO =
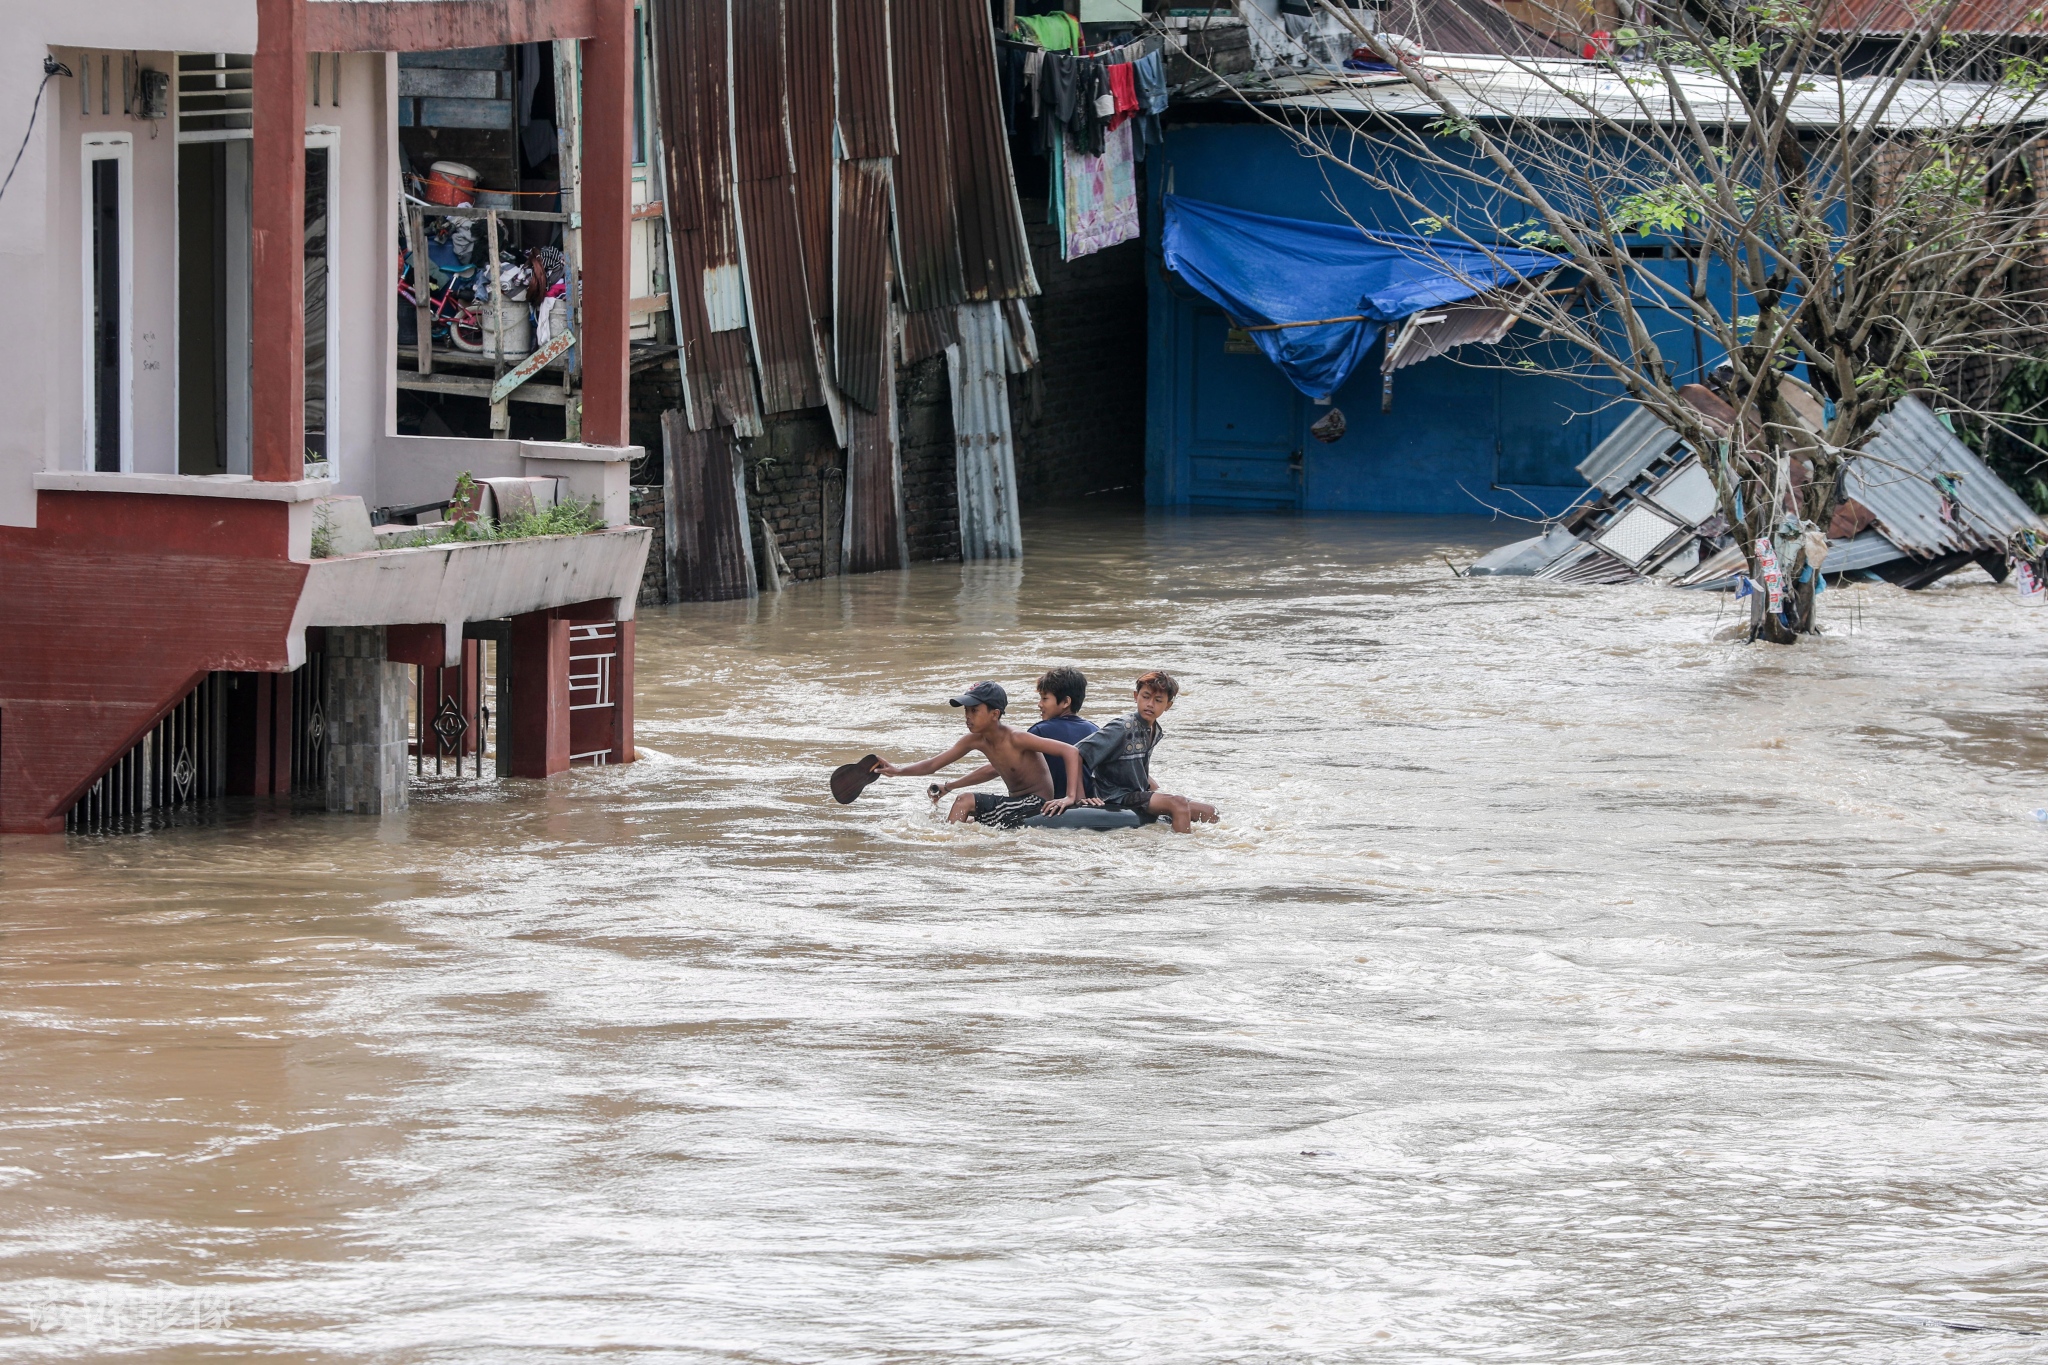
1226,429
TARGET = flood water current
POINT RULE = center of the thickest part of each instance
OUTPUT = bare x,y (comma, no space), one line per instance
1563,983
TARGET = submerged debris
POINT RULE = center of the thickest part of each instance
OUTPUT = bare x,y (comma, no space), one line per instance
1917,505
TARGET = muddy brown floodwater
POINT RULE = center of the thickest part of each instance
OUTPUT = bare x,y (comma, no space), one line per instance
1562,984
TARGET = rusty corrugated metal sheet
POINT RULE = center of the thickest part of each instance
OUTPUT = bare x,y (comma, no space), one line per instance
928,333
711,556
874,485
779,310
1883,18
807,87
995,258
863,57
692,103
860,282
927,216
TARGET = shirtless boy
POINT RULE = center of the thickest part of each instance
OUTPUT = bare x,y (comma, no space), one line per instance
1119,757
1060,694
1018,758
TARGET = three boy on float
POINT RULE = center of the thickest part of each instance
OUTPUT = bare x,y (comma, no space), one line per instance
1062,761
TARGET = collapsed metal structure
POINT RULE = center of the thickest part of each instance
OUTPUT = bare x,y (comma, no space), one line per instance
1917,504
840,203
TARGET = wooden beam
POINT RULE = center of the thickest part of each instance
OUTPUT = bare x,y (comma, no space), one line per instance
437,25
607,208
277,261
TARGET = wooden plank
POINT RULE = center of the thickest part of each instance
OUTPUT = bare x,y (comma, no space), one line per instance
431,25
472,387
472,212
652,303
423,316
531,366
444,83
651,209
489,114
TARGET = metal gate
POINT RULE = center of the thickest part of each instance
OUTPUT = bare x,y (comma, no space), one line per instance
178,764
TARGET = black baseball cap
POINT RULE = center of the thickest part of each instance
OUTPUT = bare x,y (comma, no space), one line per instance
984,694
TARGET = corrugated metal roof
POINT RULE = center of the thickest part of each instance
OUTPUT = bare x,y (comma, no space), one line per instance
1859,552
985,457
692,104
874,484
1483,87
995,256
1631,448
863,54
1460,26
709,548
860,282
1889,18
807,87
779,310
927,217
928,333
1895,478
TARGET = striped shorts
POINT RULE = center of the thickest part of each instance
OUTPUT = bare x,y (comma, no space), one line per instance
1006,812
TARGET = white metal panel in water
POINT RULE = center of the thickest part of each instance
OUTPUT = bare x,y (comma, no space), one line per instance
986,457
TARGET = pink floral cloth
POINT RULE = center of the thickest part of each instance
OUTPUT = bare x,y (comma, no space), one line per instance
1099,196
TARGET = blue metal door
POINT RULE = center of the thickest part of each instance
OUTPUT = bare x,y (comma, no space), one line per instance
1243,435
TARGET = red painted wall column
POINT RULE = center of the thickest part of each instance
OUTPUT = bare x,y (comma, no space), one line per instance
538,728
277,373
607,209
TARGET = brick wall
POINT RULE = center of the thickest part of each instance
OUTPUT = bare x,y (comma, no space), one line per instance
931,486
1079,418
648,503
792,470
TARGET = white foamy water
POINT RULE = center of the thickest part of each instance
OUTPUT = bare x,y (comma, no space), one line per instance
1563,984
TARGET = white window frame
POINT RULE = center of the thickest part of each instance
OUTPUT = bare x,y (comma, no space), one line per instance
327,138
120,149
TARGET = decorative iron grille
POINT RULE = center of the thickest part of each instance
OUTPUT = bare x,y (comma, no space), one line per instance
451,719
309,725
179,763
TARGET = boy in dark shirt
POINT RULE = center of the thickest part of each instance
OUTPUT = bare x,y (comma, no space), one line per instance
1119,758
1060,694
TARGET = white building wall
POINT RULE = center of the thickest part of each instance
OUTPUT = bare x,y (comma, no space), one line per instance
42,345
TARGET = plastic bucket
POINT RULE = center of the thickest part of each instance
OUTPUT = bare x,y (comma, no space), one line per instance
451,183
518,329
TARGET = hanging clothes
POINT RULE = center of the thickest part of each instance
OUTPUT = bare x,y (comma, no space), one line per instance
1150,71
1093,104
1013,83
1055,32
1059,92
1098,196
1123,89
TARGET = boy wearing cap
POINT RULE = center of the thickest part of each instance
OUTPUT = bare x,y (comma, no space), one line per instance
1119,758
1018,758
1060,694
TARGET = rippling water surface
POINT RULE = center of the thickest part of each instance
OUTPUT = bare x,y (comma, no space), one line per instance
1564,983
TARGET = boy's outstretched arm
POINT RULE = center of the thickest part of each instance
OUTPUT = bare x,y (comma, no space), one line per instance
929,765
973,779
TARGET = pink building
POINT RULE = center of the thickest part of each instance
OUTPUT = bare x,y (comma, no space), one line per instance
187,609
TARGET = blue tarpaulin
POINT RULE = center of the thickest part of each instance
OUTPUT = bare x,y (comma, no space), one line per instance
1260,270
